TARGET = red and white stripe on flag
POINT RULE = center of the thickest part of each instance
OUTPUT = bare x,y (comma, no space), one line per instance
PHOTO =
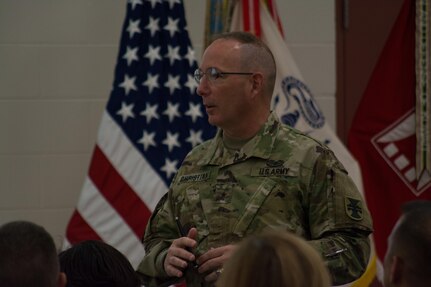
272,8
251,15
115,203
295,104
251,19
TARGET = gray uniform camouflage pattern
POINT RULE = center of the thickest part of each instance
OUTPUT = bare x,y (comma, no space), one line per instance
280,179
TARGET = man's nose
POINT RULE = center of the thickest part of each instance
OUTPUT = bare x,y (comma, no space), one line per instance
203,87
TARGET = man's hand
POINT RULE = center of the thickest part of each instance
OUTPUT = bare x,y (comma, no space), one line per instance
178,256
212,261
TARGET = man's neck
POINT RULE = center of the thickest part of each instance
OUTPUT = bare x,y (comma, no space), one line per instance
246,131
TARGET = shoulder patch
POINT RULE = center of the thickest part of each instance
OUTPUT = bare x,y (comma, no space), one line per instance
353,208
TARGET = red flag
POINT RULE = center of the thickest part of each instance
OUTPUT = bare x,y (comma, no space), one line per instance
382,137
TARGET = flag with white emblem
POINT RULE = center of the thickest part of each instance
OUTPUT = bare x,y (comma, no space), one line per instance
384,132
152,120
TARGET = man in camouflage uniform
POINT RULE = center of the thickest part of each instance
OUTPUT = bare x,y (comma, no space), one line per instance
256,174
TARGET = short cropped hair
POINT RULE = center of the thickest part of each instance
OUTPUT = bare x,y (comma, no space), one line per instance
411,240
28,256
255,54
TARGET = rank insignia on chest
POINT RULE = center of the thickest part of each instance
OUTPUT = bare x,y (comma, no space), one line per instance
353,208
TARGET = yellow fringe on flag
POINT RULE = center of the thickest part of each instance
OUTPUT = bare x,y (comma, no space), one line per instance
369,275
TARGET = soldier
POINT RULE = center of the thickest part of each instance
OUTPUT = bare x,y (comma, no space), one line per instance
255,174
408,258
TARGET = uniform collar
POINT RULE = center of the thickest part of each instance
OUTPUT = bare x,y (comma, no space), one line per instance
261,145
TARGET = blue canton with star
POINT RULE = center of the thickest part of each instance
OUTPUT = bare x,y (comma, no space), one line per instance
154,97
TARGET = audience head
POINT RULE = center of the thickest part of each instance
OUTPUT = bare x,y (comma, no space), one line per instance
408,258
94,263
28,257
274,259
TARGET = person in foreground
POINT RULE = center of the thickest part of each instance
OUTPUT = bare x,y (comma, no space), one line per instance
93,263
407,261
255,174
28,257
274,259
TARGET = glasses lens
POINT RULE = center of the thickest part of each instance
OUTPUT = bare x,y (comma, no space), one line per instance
198,75
212,74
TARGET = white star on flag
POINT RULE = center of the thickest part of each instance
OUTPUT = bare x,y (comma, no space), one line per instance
170,167
191,83
173,54
153,26
128,84
171,140
190,55
194,111
153,54
172,26
147,139
172,111
150,112
151,82
131,55
126,111
133,28
195,138
172,83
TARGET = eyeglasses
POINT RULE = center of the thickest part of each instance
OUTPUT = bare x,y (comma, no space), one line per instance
213,74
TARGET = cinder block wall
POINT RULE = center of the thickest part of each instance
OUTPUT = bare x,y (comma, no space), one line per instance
57,61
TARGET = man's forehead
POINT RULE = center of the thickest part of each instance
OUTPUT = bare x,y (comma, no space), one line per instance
221,51
227,42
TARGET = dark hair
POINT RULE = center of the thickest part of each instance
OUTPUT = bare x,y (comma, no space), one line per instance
412,240
28,256
95,263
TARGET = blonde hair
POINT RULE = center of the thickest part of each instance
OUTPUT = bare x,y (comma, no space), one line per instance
274,259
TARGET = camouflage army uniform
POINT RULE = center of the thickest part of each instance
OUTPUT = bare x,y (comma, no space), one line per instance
280,179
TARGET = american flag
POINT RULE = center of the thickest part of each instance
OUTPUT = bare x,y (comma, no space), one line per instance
152,120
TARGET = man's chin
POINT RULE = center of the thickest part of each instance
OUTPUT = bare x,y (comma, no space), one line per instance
212,121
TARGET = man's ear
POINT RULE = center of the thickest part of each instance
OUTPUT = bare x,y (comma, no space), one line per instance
62,279
396,269
257,83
